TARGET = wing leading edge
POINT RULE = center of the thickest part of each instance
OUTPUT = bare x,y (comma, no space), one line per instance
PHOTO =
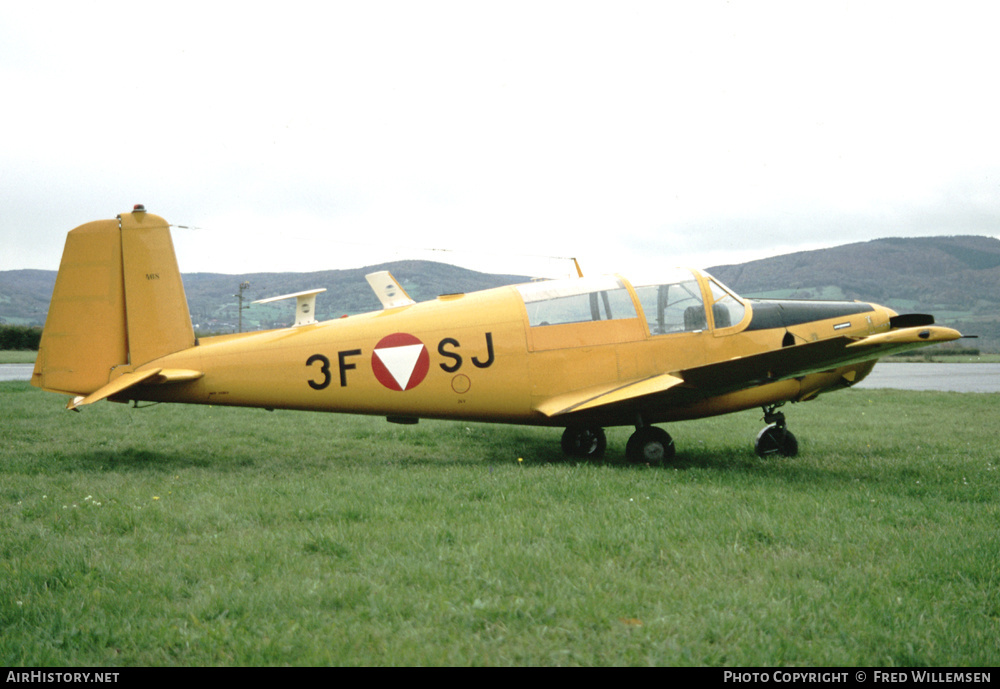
741,373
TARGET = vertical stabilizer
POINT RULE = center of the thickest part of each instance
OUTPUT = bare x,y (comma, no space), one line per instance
84,336
118,302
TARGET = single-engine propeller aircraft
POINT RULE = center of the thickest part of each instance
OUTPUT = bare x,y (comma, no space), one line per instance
580,353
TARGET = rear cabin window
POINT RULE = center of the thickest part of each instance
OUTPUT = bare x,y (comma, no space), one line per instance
582,300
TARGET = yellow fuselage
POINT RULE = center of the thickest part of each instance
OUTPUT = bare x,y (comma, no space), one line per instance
582,353
481,359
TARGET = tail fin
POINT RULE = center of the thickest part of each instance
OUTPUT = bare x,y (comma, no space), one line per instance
118,303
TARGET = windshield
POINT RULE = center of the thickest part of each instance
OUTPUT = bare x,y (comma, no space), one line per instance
673,303
727,309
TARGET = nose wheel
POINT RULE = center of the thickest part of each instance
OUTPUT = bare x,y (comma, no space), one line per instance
775,438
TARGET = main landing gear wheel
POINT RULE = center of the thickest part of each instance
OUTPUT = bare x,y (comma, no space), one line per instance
650,445
584,442
775,438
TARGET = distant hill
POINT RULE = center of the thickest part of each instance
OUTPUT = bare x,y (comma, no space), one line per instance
955,278
211,296
25,294
931,270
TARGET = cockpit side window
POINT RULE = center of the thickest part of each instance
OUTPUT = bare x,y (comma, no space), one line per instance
674,307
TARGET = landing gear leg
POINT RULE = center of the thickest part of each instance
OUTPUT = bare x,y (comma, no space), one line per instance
775,438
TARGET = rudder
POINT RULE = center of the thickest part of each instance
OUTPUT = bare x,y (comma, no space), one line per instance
157,315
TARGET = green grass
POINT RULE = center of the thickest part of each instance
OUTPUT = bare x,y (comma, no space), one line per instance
181,535
17,356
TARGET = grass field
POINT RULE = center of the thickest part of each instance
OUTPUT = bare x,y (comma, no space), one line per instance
181,535
17,356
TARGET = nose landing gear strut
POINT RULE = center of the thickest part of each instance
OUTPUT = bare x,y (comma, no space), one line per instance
775,438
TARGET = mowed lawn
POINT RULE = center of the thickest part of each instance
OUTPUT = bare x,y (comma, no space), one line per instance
182,535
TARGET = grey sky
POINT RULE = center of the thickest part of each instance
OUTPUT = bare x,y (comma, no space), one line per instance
313,135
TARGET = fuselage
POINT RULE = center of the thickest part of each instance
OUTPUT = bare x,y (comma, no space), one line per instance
582,353
496,355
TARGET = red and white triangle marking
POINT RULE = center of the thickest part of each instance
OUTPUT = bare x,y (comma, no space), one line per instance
400,361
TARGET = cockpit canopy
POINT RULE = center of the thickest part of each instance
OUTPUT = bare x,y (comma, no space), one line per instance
676,300
673,302
577,300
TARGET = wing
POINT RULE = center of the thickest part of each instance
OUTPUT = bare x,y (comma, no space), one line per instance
812,357
602,396
741,373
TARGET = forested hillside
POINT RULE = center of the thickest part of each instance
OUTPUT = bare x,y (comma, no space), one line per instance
25,294
955,278
212,301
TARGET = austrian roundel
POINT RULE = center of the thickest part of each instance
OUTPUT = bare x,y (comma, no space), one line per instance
400,361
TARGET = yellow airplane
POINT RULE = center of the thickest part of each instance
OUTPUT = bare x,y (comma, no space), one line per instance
581,353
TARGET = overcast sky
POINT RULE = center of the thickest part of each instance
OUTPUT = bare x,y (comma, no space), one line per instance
313,135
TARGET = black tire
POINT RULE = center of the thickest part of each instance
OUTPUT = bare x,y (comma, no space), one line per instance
776,440
650,445
584,442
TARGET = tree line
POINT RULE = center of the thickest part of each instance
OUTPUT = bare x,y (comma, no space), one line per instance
20,337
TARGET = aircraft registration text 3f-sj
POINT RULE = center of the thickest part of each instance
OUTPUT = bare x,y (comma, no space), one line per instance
581,353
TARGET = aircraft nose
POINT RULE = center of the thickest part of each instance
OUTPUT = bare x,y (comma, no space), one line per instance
884,314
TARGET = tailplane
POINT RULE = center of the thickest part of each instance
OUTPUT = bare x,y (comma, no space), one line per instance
118,303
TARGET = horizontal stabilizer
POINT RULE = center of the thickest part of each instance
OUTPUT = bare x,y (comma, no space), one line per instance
176,375
388,290
154,376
